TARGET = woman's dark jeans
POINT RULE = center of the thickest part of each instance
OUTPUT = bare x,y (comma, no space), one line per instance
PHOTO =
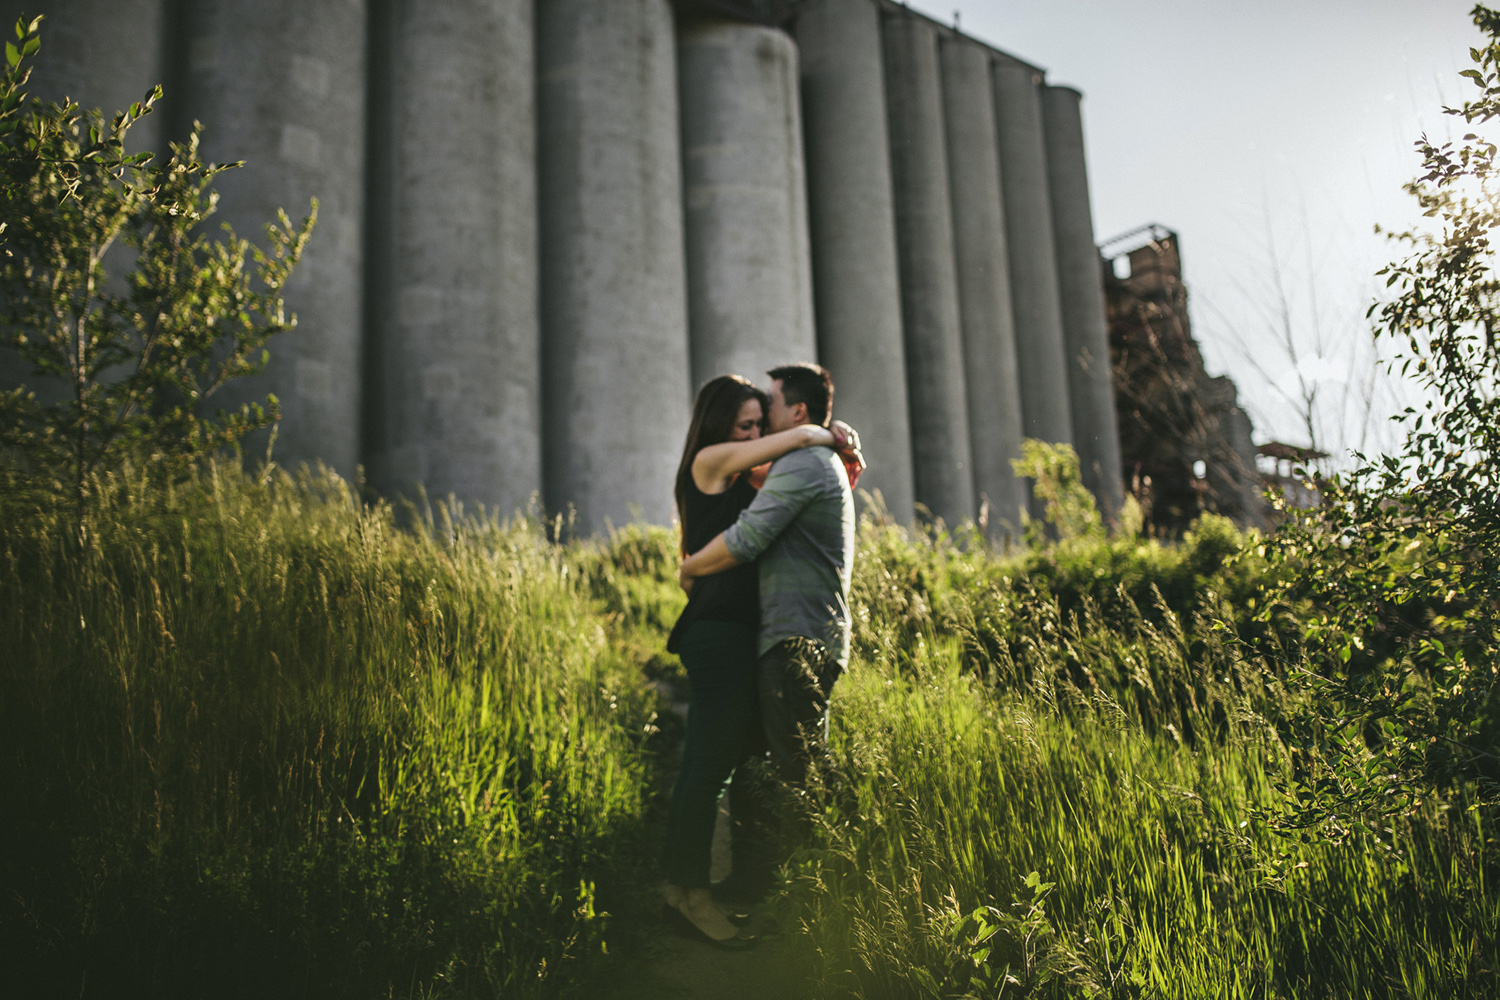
723,724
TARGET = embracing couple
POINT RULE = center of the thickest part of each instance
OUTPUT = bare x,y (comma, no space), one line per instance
767,516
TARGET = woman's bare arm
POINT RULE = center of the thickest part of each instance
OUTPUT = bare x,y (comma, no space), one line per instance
714,466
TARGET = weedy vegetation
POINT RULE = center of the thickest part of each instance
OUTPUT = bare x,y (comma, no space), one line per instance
1080,775
255,733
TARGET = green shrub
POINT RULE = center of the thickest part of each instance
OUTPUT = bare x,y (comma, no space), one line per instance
128,314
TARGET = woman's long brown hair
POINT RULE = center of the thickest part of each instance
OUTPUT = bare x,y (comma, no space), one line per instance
714,413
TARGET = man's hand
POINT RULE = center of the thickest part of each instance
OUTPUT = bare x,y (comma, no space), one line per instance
844,436
683,579
846,444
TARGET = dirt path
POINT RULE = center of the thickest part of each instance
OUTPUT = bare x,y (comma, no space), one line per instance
677,969
672,967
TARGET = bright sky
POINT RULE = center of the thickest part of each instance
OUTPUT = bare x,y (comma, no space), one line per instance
1271,136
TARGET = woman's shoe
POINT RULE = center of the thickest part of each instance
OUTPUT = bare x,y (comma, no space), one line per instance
679,922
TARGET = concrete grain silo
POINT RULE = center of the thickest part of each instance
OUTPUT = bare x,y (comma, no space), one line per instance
929,282
1080,281
749,269
852,221
454,373
281,85
613,279
992,380
544,222
1040,351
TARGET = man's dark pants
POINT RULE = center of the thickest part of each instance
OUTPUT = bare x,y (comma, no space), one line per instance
796,678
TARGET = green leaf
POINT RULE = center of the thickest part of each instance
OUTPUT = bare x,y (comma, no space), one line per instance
12,54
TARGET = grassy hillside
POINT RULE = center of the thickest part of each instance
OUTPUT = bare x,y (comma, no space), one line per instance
255,737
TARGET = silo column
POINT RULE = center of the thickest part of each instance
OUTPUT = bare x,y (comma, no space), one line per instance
989,334
748,261
454,399
929,285
280,84
1080,281
1032,256
613,284
855,275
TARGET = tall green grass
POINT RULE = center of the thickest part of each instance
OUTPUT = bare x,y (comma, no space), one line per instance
1042,802
254,734
257,739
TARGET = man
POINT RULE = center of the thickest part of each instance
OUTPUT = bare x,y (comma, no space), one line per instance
801,528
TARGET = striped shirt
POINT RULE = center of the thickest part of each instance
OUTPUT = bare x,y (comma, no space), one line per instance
801,528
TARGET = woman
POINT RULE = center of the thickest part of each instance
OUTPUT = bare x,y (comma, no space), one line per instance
723,462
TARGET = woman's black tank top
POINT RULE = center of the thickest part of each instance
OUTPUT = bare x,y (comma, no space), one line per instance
730,596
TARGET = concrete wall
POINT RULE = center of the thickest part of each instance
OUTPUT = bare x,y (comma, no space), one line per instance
745,196
280,84
855,279
1081,287
614,296
455,367
992,382
1033,255
929,284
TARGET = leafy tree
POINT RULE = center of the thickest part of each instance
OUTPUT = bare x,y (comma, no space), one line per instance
125,359
1397,576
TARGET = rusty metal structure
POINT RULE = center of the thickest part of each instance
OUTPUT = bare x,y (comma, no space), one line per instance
1185,442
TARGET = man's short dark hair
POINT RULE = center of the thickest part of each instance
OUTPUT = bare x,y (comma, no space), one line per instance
807,383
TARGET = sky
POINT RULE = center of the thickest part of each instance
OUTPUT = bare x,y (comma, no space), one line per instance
1272,137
